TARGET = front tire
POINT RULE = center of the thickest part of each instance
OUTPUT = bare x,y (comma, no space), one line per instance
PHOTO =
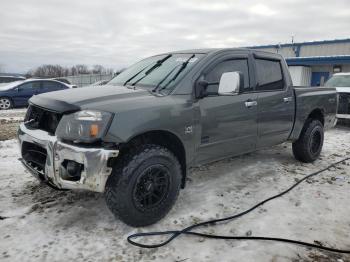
5,103
309,145
144,185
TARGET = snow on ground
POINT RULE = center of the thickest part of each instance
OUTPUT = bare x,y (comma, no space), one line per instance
13,114
38,223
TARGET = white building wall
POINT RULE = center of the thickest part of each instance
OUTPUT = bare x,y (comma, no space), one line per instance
325,49
346,68
287,52
331,49
301,75
284,51
322,68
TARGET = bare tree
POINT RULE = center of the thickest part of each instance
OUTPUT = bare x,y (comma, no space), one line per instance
73,71
98,69
82,69
51,71
109,71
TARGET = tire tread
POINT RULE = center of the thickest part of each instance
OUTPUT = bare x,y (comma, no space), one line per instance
300,147
129,161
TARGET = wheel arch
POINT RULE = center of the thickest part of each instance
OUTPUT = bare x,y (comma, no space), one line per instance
316,114
302,121
163,138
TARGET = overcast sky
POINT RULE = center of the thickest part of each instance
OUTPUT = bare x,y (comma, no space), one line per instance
116,33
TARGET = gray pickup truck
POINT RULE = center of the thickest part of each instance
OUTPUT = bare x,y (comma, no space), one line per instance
136,138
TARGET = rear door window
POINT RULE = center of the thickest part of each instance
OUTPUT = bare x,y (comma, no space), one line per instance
269,75
50,86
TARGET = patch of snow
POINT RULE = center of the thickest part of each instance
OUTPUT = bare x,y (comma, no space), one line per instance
40,223
12,115
13,112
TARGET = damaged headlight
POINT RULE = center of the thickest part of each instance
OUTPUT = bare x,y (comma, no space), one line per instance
85,126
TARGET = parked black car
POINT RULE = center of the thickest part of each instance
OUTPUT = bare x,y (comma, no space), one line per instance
17,93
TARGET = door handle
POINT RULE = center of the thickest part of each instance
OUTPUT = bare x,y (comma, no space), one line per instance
331,100
287,99
250,103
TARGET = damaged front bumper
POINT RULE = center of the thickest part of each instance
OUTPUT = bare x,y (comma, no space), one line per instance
46,157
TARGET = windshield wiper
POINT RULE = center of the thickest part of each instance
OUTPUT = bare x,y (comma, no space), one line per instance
183,66
164,78
135,75
156,65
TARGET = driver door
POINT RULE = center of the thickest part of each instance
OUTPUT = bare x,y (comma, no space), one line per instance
228,124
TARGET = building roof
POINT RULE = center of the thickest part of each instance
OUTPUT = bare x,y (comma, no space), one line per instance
324,42
319,60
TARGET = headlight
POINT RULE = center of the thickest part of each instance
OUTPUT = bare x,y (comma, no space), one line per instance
85,126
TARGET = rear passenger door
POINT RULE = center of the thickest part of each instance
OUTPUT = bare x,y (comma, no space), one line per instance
275,102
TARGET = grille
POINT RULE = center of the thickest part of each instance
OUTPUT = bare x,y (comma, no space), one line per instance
344,103
35,156
39,118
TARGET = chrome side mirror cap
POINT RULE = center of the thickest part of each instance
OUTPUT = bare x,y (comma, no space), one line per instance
230,83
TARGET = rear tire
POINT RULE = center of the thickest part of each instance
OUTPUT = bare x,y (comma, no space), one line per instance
309,145
144,185
5,103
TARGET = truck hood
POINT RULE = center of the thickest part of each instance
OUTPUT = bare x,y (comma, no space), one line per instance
89,97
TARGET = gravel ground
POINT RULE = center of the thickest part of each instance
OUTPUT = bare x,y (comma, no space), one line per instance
38,223
9,122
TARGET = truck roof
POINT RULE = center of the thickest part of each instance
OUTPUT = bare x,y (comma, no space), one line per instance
207,50
219,50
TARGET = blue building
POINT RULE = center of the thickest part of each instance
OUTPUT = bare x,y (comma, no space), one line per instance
312,63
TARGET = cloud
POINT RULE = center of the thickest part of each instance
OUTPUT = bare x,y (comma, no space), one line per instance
263,10
118,33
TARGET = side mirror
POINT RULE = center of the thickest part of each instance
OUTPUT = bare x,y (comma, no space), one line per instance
230,83
201,88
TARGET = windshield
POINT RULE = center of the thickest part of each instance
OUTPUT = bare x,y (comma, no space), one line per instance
339,81
157,71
